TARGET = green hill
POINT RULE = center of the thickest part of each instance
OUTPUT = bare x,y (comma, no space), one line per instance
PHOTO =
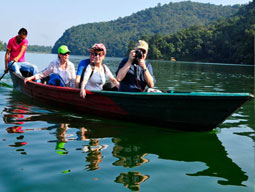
225,41
163,19
1,46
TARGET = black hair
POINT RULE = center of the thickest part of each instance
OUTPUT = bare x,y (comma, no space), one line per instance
22,31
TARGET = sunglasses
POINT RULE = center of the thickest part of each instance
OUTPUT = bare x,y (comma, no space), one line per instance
64,53
100,54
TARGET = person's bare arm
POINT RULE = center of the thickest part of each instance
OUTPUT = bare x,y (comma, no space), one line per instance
114,81
8,51
77,81
123,71
82,90
147,75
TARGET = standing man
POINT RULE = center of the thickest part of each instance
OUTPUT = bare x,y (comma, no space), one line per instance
15,52
134,73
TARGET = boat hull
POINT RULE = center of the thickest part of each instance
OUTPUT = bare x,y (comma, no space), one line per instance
191,111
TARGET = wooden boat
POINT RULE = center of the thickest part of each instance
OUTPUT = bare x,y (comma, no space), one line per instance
173,59
192,111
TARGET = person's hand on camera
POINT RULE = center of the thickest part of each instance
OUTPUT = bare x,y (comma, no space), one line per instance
131,56
141,62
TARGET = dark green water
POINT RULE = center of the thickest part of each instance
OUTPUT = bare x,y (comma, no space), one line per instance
46,148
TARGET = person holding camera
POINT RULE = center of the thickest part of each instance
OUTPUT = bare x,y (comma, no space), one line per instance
134,73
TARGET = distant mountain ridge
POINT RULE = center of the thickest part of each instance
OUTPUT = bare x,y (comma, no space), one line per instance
229,40
162,19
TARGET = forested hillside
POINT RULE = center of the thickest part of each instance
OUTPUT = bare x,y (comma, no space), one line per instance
38,48
166,19
226,41
30,48
1,46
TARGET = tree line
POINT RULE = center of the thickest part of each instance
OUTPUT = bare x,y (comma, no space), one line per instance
225,41
2,46
30,48
163,20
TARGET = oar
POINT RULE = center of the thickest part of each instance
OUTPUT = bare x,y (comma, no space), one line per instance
7,70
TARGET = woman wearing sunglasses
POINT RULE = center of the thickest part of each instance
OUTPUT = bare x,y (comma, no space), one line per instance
61,72
96,73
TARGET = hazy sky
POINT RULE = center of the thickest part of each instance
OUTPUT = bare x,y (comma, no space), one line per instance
47,20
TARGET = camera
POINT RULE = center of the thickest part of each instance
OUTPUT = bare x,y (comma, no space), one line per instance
138,55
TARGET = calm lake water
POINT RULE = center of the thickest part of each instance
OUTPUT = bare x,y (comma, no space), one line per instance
46,148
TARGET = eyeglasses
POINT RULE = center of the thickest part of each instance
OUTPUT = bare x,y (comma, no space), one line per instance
100,54
64,53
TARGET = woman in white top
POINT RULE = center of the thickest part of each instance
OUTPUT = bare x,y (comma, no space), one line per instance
61,66
96,73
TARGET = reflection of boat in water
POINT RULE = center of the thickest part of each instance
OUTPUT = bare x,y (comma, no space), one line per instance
187,147
133,143
132,150
188,111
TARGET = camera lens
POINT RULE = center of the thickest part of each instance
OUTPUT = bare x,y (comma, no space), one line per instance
139,54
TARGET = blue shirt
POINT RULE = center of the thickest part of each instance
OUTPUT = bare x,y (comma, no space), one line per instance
132,82
83,64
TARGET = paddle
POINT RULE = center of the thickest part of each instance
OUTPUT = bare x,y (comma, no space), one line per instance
7,70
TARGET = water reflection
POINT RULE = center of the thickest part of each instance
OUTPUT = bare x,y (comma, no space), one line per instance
20,139
132,145
61,139
93,149
248,134
94,154
129,156
131,150
131,180
15,115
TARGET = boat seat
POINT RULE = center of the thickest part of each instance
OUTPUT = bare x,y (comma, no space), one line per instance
27,70
109,87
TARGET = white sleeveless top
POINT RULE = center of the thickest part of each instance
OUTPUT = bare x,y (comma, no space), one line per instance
97,80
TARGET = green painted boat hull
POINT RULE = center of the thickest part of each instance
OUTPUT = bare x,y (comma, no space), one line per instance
190,111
